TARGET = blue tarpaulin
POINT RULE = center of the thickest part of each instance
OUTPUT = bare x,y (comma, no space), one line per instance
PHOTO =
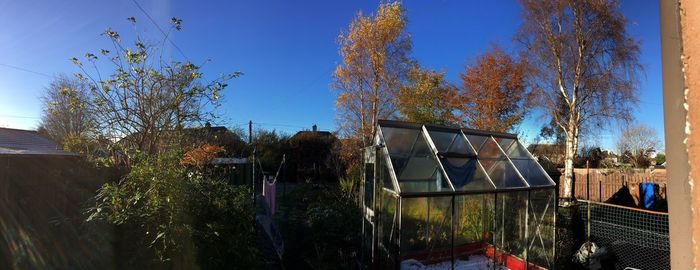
647,190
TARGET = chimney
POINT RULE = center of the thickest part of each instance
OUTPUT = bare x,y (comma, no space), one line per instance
314,128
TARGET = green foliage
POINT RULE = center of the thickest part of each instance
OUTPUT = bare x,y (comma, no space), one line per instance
594,156
175,216
350,183
426,97
269,147
660,158
425,223
469,215
315,156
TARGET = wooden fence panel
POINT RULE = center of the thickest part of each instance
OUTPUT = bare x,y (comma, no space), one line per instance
599,185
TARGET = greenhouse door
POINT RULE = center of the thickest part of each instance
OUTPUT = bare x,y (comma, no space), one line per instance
368,220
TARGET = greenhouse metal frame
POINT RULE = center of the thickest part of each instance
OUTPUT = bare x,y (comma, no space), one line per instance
437,195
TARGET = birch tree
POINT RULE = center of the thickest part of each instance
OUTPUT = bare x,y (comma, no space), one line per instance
580,51
375,60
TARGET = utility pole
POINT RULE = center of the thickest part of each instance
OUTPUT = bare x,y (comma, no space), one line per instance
250,144
253,178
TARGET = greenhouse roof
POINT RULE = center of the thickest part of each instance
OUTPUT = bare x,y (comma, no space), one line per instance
439,159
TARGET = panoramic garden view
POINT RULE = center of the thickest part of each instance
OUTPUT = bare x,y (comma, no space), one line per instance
515,134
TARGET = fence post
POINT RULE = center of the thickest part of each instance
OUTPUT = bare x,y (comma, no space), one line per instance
622,180
588,183
600,191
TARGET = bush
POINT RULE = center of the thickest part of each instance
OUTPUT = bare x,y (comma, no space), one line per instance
321,228
168,215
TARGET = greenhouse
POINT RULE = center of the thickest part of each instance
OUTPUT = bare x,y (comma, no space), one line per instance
437,197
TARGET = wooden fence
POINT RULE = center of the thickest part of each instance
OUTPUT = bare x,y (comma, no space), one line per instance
599,184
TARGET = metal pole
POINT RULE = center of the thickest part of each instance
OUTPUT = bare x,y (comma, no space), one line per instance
427,224
554,228
588,183
503,222
495,232
452,228
527,229
398,246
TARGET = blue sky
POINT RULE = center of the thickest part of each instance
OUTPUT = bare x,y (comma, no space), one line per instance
286,49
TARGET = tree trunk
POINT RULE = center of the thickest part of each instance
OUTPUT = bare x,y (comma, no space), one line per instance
571,147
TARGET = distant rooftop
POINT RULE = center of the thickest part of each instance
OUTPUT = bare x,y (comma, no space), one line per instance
314,130
28,142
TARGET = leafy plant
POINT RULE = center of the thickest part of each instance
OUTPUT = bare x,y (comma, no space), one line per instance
321,228
171,215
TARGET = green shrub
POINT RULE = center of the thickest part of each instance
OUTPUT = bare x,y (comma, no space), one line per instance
167,215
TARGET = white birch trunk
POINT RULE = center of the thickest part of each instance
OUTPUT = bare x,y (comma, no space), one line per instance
571,148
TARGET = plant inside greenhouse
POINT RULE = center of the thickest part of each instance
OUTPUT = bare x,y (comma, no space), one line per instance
438,197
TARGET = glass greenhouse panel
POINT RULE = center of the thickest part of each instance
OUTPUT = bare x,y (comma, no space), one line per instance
470,224
490,230
426,233
511,224
466,174
540,241
515,149
502,174
476,140
399,141
384,179
388,228
367,241
450,142
532,172
490,150
414,162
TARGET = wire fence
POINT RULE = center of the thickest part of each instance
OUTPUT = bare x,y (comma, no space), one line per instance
633,238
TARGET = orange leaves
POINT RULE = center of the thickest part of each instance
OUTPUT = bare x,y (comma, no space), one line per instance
493,92
201,155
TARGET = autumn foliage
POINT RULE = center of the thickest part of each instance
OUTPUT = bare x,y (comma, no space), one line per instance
375,60
492,97
426,97
200,156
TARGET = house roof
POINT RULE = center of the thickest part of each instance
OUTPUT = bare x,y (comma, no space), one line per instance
319,133
28,142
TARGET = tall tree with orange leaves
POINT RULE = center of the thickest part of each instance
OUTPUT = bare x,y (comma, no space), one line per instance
375,61
493,93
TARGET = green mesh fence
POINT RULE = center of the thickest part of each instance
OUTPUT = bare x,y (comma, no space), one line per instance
634,238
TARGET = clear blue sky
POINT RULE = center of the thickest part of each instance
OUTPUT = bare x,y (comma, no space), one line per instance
287,50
